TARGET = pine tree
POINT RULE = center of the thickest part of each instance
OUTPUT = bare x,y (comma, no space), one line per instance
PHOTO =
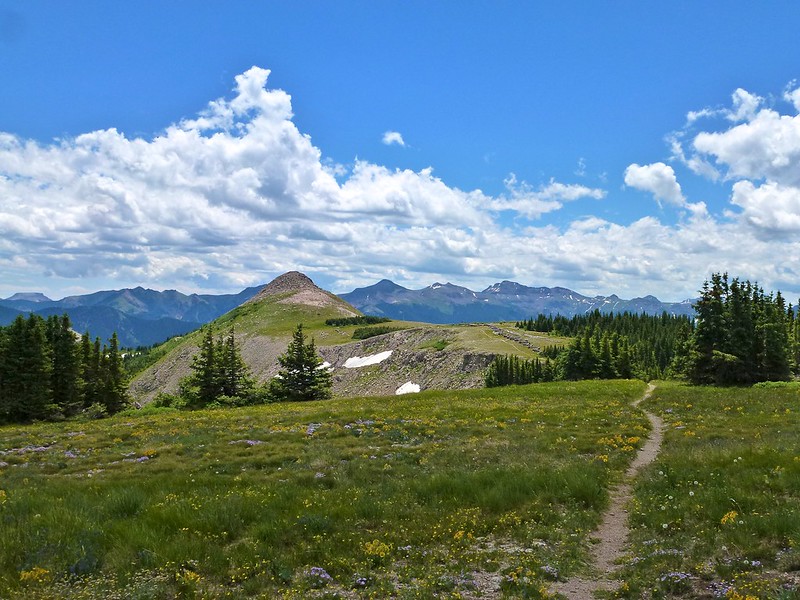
774,356
89,372
27,392
742,336
65,378
203,386
114,389
302,376
234,375
709,333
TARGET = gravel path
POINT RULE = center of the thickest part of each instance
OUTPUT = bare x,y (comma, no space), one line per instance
613,531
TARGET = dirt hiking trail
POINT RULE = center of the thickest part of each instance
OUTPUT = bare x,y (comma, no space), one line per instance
613,531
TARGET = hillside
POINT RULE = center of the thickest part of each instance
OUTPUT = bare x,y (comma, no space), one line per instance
430,356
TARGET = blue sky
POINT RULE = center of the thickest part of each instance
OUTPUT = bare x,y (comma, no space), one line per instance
624,147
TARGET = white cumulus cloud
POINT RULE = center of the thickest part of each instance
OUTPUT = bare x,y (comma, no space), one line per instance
522,198
659,179
238,194
393,137
771,206
760,152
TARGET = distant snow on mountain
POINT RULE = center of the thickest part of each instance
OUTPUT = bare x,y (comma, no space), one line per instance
502,301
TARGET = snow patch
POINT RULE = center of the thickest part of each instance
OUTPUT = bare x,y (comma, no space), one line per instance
358,361
407,388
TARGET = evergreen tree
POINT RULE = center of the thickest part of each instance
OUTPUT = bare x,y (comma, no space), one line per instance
740,328
203,386
113,387
27,392
65,377
302,376
234,375
89,372
742,336
773,355
793,325
569,362
622,360
218,372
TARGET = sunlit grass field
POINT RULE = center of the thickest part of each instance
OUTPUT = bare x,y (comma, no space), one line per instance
718,514
435,495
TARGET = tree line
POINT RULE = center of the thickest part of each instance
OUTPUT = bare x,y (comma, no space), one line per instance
47,371
742,336
359,320
610,346
513,370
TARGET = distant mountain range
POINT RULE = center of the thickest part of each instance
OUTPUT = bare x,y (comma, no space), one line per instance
505,301
143,317
140,317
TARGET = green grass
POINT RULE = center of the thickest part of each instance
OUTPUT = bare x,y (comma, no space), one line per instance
722,502
482,339
271,317
149,357
405,496
437,345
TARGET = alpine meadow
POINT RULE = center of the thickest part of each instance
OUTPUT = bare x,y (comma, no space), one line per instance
240,485
399,300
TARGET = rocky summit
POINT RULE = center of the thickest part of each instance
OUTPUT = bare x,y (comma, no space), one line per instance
288,283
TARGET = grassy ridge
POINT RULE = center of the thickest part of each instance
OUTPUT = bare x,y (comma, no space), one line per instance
718,514
419,496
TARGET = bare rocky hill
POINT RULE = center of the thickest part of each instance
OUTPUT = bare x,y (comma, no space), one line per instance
414,359
297,288
428,356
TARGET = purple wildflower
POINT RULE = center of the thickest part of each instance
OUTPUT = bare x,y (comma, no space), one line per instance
318,577
551,572
720,590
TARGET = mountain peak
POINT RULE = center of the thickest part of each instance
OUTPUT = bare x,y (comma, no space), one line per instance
385,284
29,297
505,287
293,281
299,289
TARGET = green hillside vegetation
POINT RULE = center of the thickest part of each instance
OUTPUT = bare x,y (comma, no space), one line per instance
274,317
356,498
718,514
426,496
481,337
